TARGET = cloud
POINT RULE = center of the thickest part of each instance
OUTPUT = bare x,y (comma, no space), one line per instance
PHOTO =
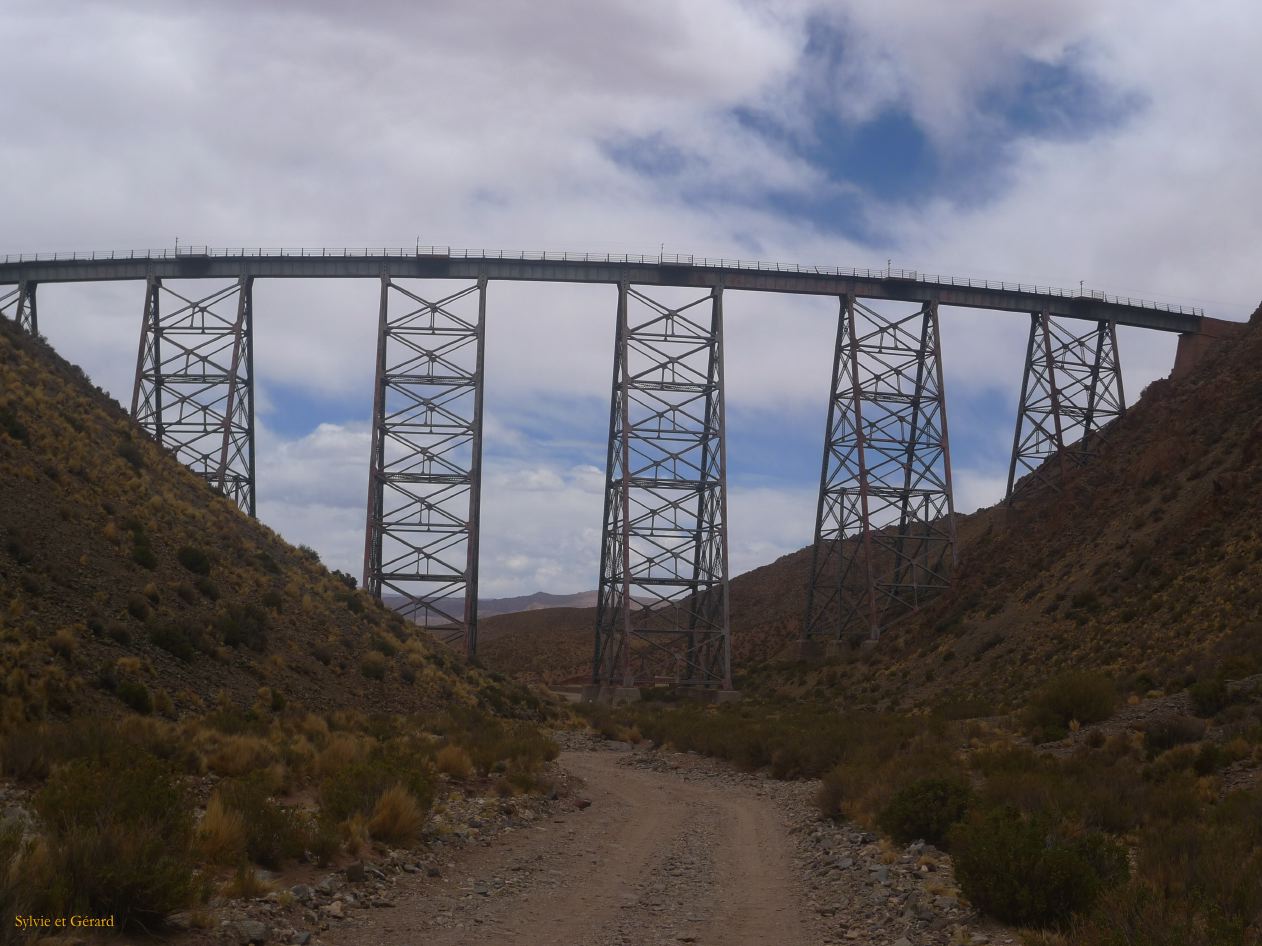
1070,140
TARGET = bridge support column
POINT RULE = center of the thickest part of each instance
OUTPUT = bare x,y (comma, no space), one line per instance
662,614
194,390
1072,388
18,304
424,487
885,522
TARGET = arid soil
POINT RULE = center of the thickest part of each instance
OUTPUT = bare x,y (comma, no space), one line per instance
673,849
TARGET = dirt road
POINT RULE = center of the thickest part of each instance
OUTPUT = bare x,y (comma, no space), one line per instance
656,859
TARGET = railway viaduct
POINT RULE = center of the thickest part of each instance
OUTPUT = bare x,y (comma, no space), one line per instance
884,525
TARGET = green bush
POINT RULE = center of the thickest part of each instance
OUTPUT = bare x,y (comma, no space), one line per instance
135,695
1209,697
118,836
273,833
1163,734
1081,696
355,787
173,639
193,559
373,665
926,810
1019,870
243,624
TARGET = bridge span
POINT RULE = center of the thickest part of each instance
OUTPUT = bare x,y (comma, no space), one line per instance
884,529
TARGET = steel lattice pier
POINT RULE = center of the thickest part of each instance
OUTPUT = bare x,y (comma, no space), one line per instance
194,390
662,614
421,543
1071,389
885,526
18,304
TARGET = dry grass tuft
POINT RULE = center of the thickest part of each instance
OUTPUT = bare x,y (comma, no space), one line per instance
240,755
454,761
246,884
397,817
220,836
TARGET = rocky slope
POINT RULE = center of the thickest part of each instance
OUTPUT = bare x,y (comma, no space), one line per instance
126,581
1146,564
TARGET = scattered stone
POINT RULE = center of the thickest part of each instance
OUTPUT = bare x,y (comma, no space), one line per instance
248,932
582,804
356,873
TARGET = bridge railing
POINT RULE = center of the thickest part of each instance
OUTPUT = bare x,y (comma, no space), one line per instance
660,259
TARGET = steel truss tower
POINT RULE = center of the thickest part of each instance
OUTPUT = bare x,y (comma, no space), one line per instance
194,390
662,614
885,523
426,468
1072,388
18,304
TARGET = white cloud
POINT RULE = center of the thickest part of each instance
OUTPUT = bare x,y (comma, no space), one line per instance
497,125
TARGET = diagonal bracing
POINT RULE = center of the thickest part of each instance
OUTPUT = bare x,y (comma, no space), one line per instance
194,390
18,303
662,614
421,544
1071,389
885,527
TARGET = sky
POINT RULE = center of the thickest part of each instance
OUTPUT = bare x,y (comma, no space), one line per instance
1108,142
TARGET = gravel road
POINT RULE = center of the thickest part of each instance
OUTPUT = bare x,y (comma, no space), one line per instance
674,848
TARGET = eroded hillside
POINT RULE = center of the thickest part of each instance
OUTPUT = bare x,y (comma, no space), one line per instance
127,582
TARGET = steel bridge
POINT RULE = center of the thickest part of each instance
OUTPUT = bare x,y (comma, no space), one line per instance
884,525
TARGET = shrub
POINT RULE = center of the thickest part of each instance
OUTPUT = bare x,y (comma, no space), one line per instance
373,665
1082,696
118,839
172,638
454,761
1163,734
354,787
926,810
135,695
243,624
131,453
1020,871
138,607
1209,697
221,834
207,589
831,794
397,817
193,559
273,833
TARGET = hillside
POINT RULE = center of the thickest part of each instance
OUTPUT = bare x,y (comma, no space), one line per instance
1146,565
126,581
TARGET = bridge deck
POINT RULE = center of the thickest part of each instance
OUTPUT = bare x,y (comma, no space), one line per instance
667,270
